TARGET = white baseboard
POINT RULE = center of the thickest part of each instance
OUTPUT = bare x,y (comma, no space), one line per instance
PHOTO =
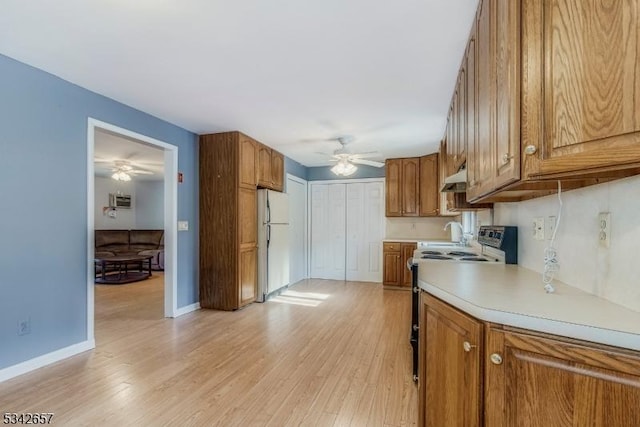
45,359
187,309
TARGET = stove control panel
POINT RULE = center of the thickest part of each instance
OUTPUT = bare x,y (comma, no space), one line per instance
502,237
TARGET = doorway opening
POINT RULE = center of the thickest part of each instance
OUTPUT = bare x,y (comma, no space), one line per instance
113,204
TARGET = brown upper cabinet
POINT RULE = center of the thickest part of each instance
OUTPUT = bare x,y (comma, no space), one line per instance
550,93
264,166
277,171
413,188
270,168
402,186
429,180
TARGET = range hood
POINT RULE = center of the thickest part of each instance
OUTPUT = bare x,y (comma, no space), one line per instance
456,183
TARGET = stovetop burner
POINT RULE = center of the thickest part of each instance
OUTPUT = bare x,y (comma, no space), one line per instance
461,253
435,257
432,253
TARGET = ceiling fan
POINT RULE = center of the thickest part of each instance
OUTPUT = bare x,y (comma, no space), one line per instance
346,161
123,169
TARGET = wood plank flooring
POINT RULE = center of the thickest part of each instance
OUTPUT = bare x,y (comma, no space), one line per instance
327,353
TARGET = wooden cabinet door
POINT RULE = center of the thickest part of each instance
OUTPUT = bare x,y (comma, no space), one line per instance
264,166
461,145
248,162
391,253
410,186
248,276
429,191
277,171
450,377
393,187
482,162
580,93
506,15
544,381
247,217
391,270
444,199
406,252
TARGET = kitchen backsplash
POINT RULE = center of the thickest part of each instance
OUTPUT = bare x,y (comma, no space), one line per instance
420,228
611,273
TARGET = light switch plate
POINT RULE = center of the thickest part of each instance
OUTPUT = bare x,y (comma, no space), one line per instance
183,225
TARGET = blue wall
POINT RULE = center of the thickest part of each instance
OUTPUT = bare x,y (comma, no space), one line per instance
43,220
294,168
322,173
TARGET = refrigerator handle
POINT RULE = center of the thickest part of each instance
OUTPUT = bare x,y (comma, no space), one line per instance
268,212
268,234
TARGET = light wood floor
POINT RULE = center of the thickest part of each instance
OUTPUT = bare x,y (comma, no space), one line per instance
328,353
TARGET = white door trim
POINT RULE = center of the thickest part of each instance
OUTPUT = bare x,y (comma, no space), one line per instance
307,237
170,218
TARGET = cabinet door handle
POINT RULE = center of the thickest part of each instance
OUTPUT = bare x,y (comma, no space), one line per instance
506,158
416,327
496,359
467,346
530,149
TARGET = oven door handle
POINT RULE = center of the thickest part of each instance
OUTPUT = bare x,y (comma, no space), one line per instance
410,263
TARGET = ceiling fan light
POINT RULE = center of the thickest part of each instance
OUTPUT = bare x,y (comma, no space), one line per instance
350,169
121,176
344,168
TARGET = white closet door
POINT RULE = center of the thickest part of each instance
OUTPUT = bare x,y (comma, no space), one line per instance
365,229
328,231
336,231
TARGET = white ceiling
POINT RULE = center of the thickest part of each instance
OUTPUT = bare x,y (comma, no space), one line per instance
140,156
282,71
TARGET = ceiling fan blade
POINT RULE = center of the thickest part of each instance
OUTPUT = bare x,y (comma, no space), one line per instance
367,162
365,155
140,172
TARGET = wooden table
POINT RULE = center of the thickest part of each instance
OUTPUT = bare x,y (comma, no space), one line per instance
120,269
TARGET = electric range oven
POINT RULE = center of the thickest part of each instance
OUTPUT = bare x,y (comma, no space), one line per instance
498,245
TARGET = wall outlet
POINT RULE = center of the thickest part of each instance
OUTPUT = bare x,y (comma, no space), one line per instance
538,228
24,326
183,225
604,229
551,227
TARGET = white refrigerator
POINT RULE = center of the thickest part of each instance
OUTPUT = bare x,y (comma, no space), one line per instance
273,242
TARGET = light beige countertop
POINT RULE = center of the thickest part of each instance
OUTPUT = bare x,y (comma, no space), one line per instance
512,295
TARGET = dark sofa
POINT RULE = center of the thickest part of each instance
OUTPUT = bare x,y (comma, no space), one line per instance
132,242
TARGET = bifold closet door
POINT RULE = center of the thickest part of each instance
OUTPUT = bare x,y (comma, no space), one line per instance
347,226
328,204
365,225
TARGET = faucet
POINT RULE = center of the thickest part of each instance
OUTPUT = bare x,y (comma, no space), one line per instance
463,238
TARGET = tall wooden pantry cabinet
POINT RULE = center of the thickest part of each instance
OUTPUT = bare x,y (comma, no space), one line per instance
228,220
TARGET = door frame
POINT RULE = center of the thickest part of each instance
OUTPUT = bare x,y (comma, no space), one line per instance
306,231
170,218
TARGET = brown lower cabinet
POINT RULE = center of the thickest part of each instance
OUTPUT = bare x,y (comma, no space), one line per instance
394,271
474,373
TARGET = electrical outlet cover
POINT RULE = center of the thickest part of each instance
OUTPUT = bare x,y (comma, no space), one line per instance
538,228
604,229
551,227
